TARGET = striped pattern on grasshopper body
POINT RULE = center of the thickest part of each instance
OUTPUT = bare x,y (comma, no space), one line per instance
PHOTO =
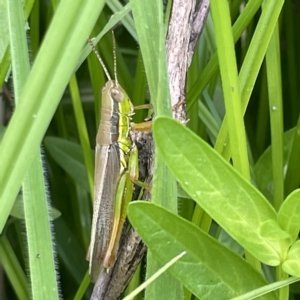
113,185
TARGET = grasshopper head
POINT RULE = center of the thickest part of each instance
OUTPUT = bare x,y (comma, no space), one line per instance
120,98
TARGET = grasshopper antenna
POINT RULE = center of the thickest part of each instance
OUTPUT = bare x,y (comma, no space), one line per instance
99,58
115,58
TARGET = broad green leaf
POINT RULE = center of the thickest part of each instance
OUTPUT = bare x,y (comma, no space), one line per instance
272,233
209,270
292,262
288,214
270,230
69,156
219,189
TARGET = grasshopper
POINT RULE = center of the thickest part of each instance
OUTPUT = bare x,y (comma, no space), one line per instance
116,168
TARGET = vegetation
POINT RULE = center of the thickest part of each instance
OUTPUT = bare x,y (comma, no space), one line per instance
238,222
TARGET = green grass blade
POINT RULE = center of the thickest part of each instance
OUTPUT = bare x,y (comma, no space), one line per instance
39,239
98,80
83,287
13,269
154,276
139,92
148,17
4,49
127,20
273,65
40,246
83,134
266,289
47,80
117,17
292,174
263,168
230,84
252,64
211,68
151,32
291,64
18,45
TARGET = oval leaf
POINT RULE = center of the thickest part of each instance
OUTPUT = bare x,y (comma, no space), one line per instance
292,263
289,212
219,189
209,269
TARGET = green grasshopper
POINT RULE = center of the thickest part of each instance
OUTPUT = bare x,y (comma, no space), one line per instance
116,168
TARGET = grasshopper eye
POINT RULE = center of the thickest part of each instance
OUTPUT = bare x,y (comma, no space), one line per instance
117,95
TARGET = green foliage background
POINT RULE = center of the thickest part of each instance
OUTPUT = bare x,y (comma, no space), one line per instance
60,109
